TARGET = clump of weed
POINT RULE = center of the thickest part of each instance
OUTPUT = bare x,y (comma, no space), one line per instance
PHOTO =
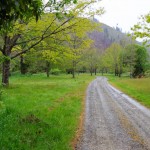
2,105
1,94
31,118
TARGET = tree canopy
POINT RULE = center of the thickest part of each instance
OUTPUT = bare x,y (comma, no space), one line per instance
140,61
142,28
12,10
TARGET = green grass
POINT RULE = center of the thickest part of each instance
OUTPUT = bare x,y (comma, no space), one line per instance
138,89
41,113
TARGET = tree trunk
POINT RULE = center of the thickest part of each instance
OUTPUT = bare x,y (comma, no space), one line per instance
106,70
131,74
95,71
119,74
23,66
48,69
91,71
73,73
8,45
116,70
5,72
120,71
102,72
73,69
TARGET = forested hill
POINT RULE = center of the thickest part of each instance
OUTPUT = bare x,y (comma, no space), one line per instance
107,36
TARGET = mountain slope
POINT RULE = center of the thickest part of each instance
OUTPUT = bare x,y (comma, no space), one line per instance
109,35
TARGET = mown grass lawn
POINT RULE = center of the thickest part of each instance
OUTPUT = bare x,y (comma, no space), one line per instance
136,88
39,113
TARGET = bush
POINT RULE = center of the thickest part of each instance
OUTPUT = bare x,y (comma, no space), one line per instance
55,71
147,73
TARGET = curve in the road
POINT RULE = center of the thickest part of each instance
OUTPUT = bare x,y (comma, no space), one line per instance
113,121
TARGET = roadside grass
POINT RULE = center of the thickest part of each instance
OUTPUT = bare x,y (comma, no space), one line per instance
138,89
41,113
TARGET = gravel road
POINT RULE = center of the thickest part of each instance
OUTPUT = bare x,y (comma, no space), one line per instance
113,121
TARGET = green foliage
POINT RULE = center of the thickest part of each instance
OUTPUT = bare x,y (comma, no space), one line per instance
2,108
129,58
91,60
1,94
23,10
142,29
113,58
130,54
10,11
55,71
141,61
147,73
78,42
2,105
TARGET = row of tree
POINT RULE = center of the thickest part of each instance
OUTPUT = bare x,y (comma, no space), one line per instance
78,55
132,58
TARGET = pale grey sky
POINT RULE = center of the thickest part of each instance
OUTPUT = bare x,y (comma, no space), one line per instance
125,13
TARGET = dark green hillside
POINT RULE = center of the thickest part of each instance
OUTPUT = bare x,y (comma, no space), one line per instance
109,35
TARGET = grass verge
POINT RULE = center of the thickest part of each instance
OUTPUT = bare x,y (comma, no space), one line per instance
138,89
42,113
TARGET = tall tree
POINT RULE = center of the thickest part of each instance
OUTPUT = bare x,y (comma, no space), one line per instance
129,58
32,33
91,57
142,29
140,61
113,57
78,41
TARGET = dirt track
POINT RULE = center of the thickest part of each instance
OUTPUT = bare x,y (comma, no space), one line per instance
113,121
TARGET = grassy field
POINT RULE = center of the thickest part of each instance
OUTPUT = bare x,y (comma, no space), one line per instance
39,113
136,88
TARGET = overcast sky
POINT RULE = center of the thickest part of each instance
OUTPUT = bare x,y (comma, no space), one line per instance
125,13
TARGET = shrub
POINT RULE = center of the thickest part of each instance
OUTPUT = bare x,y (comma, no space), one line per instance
147,73
55,71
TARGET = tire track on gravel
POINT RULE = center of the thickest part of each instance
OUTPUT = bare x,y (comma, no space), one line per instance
113,121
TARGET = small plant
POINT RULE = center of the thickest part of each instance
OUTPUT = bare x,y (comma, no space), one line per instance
55,71
147,73
1,94
2,105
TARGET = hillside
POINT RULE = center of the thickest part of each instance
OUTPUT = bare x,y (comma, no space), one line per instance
107,36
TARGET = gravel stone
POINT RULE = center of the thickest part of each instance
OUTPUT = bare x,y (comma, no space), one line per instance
113,121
